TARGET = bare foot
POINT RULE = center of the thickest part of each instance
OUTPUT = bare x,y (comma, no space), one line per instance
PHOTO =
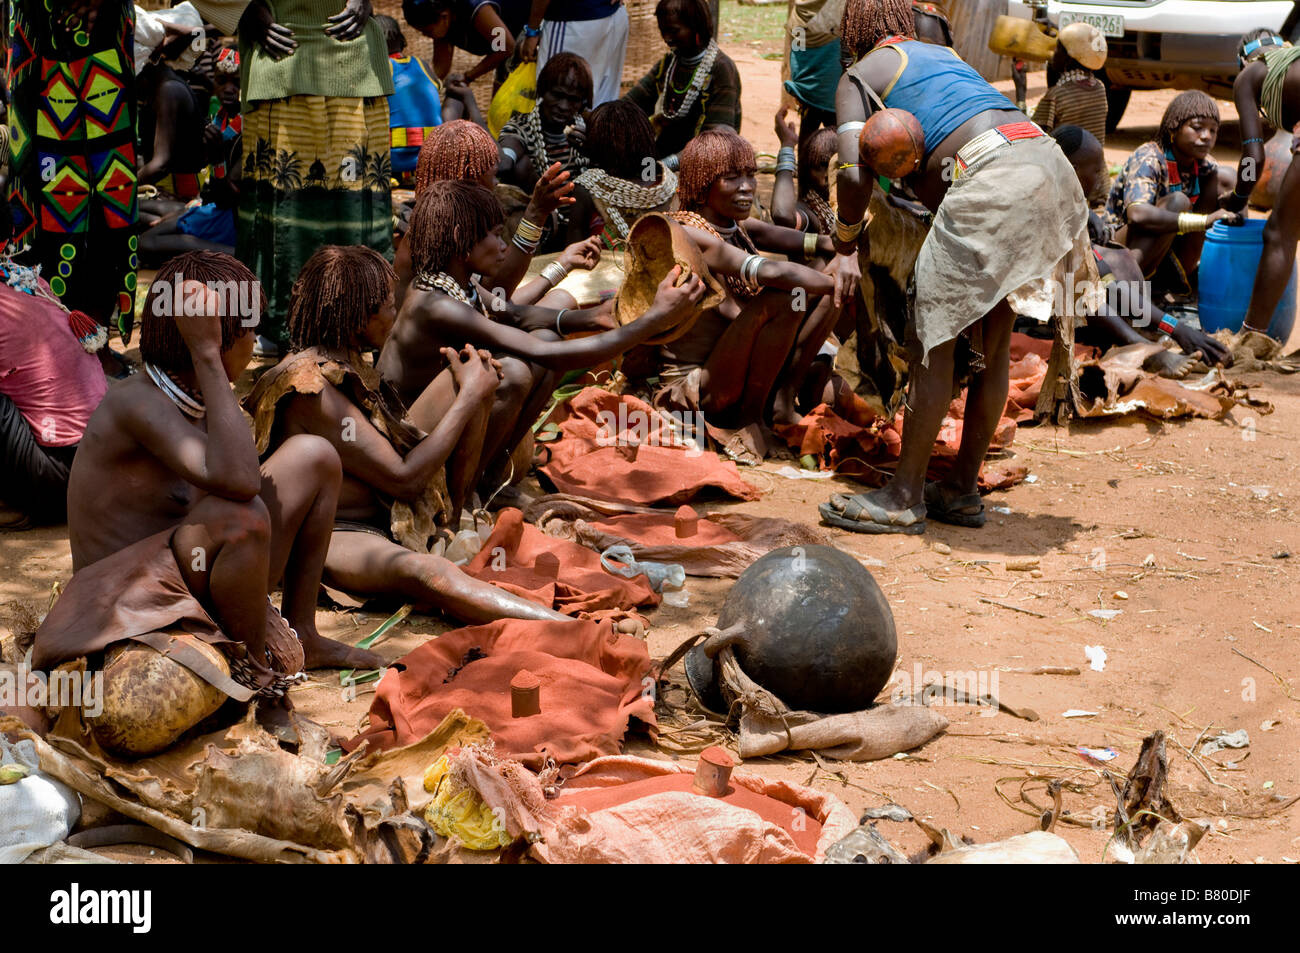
1169,364
784,410
321,652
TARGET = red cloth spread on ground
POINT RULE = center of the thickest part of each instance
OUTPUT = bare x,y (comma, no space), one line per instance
591,687
660,529
509,560
619,448
851,440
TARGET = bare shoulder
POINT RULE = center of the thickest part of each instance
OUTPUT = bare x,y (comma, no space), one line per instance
705,239
136,398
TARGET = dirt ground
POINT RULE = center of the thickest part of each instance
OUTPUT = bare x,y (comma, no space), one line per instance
1194,522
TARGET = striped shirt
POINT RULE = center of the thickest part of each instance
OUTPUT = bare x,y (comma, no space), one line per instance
1077,99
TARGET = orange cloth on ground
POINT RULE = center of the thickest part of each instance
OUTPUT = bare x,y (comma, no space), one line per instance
509,560
866,447
591,688
620,448
655,529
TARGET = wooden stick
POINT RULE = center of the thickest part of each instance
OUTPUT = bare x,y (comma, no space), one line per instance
1004,605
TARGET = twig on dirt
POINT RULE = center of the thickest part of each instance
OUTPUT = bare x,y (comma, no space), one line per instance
1005,605
1197,761
1285,683
945,791
1264,812
1037,811
1087,453
1176,715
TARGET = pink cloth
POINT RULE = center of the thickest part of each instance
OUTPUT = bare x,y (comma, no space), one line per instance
44,369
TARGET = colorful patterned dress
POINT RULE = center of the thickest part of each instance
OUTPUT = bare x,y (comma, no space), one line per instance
316,161
72,122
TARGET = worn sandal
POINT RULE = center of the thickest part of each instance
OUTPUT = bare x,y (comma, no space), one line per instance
878,520
952,512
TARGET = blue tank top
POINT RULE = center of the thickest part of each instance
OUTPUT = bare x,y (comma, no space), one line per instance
413,109
940,89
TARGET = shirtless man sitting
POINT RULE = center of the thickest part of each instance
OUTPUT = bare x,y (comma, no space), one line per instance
456,234
394,495
167,505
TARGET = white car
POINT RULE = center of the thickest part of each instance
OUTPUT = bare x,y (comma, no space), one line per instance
1167,44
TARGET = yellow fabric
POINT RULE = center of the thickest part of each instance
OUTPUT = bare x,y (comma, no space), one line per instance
349,137
516,95
461,814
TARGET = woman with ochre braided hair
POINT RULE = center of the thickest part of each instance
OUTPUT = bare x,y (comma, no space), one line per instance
744,362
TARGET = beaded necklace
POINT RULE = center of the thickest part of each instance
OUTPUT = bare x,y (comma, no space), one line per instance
90,333
529,130
441,281
737,286
700,77
822,209
190,406
1073,76
617,196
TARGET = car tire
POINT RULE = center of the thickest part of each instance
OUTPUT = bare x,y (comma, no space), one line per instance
1116,102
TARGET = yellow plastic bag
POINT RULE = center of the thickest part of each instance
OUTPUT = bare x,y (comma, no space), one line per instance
462,814
516,95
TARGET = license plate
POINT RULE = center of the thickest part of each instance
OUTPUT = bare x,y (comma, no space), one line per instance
1110,24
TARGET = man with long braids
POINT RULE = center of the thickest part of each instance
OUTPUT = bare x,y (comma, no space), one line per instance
988,173
400,484
455,234
463,151
624,179
749,355
191,530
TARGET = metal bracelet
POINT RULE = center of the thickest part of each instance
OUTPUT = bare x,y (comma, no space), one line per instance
555,272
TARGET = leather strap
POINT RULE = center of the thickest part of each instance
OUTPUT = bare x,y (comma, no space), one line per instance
181,651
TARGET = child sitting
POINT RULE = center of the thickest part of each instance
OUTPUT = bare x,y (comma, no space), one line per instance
210,226
455,234
812,212
170,518
1167,196
461,151
394,494
1128,306
625,179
